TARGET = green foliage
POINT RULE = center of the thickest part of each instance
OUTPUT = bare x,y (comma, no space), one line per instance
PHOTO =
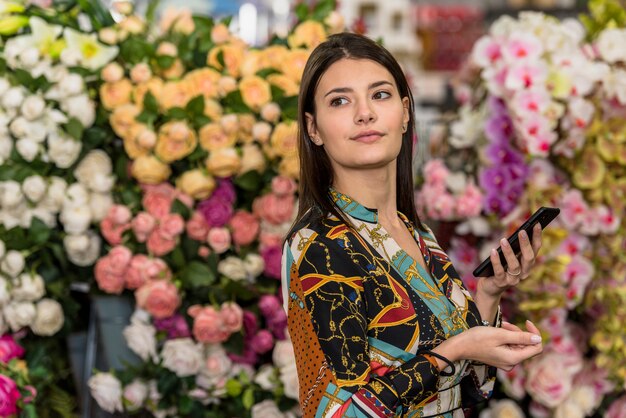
603,14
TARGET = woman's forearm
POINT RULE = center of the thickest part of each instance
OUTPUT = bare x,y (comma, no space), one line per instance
487,304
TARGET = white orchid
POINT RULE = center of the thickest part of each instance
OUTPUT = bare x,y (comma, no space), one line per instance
93,54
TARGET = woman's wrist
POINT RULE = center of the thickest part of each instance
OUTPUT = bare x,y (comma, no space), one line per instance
450,349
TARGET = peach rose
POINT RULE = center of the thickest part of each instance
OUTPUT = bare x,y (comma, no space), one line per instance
208,325
212,109
123,119
115,94
174,94
219,239
154,85
273,208
335,22
290,167
177,20
115,223
226,85
284,139
197,228
245,227
203,81
132,24
270,112
230,123
252,158
158,297
157,200
149,169
143,269
112,72
273,56
213,137
286,84
158,244
167,49
174,71
309,34
232,316
246,122
255,92
223,162
108,36
171,226
548,380
138,135
283,186
109,270
176,140
293,66
261,131
196,183
220,33
140,73
143,224
232,54
251,63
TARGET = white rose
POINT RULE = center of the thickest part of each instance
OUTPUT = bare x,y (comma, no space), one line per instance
25,216
13,263
283,354
106,389
49,318
34,187
76,195
135,394
13,98
266,409
19,314
45,215
5,296
30,57
38,130
94,171
218,364
19,127
610,45
585,397
289,379
33,107
10,219
28,288
99,203
233,268
71,85
27,148
83,249
505,408
12,195
81,108
63,150
266,377
141,339
75,219
6,146
569,410
254,264
4,86
182,356
56,194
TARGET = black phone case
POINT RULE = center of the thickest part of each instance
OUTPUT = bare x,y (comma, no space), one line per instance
544,215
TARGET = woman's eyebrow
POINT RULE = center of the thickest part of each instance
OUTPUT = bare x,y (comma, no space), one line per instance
349,89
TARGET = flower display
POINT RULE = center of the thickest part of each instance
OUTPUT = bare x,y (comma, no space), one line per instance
545,98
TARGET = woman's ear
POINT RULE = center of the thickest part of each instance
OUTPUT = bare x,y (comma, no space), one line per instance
406,116
311,129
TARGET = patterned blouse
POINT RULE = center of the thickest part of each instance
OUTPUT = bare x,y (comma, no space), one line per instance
363,315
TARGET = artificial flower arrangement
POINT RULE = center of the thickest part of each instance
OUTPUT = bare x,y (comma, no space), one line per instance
541,123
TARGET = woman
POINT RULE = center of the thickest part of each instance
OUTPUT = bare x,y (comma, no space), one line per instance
380,321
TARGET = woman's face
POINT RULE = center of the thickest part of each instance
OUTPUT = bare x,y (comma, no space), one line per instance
359,115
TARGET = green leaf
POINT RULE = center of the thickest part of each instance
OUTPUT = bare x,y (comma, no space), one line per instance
250,181
15,238
234,103
165,61
135,49
178,258
177,113
150,103
302,11
38,231
29,411
99,15
23,77
17,172
248,398
180,208
94,137
74,128
151,11
195,107
198,274
233,388
289,106
322,9
61,402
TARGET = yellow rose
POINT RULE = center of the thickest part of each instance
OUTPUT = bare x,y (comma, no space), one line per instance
137,143
174,71
308,34
293,65
196,183
285,83
154,86
176,140
223,162
252,159
213,137
226,85
273,56
255,92
123,119
246,122
147,169
213,109
115,94
284,139
232,55
174,94
251,63
290,167
203,81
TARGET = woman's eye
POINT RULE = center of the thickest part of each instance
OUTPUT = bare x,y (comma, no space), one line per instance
381,95
338,101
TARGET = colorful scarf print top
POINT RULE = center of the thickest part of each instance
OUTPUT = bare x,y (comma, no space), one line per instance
363,315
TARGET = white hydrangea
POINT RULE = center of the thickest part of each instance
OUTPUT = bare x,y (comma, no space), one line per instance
34,188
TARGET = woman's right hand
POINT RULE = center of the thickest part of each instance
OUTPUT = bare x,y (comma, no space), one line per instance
503,348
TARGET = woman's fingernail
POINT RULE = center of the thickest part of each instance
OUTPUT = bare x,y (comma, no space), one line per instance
523,234
535,338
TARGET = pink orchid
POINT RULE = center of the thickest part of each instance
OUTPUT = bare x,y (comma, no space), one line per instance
522,47
539,145
495,77
608,221
486,52
573,245
573,208
533,101
436,172
526,76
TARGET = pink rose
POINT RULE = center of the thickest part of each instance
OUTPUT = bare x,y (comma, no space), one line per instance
269,304
274,209
272,257
9,395
115,223
283,186
262,342
171,225
245,227
204,251
208,325
9,349
158,297
548,380
232,315
110,270
197,228
142,225
158,245
617,409
469,204
157,200
269,239
143,269
219,239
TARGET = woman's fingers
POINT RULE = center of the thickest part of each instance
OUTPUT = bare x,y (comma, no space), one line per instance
532,328
513,265
498,270
528,253
537,238
510,327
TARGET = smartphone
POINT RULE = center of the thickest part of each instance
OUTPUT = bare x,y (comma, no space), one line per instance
543,216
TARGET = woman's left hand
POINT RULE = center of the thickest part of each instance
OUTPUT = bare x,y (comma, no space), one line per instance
517,269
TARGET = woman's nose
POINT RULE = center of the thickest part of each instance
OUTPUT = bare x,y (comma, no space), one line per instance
365,114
